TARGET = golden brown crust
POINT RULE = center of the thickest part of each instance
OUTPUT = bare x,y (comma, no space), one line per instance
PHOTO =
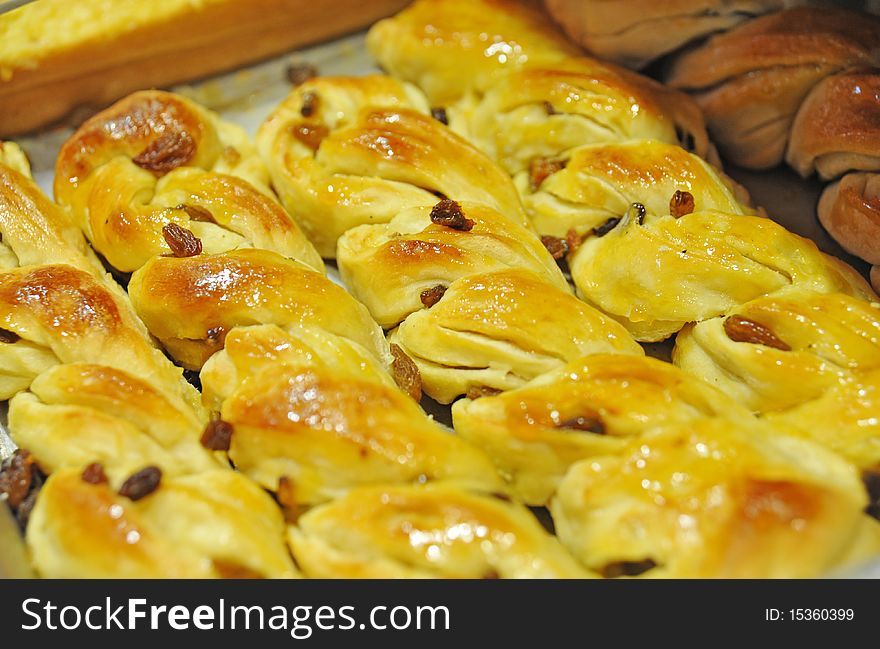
811,343
850,210
380,532
712,499
714,261
837,128
389,266
156,164
379,152
98,53
500,329
190,303
432,41
189,527
589,407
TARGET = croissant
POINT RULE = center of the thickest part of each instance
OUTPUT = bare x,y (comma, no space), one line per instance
775,352
345,151
498,330
751,81
634,33
423,532
714,498
393,268
589,407
594,183
213,524
189,303
157,174
708,262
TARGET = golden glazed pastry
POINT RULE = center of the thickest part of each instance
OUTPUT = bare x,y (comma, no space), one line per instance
393,532
658,273
636,32
55,314
543,111
247,351
750,82
81,413
214,524
713,498
395,268
345,151
154,171
190,303
431,42
594,183
314,430
837,128
843,418
498,330
34,230
587,408
56,56
775,352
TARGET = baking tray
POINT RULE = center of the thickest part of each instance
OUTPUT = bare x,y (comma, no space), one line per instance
247,96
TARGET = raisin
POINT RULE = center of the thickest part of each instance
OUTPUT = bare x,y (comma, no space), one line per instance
217,435
167,152
182,242
681,203
743,330
94,474
406,374
448,213
141,484
430,296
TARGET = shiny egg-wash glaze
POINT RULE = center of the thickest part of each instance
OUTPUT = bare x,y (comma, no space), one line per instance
656,238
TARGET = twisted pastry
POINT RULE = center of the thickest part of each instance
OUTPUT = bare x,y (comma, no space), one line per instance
709,263
587,408
189,303
714,498
423,532
775,352
213,524
316,414
438,269
157,174
634,33
390,266
527,93
591,184
345,151
495,331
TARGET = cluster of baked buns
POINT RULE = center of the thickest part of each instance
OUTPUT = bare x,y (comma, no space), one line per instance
515,225
776,81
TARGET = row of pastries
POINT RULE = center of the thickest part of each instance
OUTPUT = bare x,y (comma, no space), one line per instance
447,193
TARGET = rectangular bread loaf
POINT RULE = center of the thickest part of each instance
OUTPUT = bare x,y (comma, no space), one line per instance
56,55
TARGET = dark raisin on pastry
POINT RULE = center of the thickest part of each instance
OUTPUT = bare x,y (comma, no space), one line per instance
681,203
217,435
542,168
142,483
743,330
406,373
557,247
8,337
448,213
94,474
166,153
182,242
430,296
298,73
